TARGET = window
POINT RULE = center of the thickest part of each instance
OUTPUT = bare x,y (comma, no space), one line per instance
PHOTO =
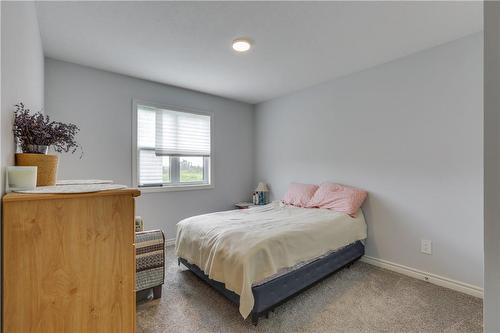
173,147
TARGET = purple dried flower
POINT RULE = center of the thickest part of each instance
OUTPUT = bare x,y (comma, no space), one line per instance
37,129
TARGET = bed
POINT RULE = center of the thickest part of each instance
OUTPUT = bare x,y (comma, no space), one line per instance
262,256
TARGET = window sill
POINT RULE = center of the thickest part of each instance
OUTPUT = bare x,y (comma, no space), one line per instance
175,188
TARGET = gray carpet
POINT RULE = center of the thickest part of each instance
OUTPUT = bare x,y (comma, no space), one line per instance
362,298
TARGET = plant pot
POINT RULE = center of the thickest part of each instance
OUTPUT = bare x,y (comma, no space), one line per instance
36,149
47,167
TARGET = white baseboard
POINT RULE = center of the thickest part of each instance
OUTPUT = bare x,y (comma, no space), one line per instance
429,277
170,241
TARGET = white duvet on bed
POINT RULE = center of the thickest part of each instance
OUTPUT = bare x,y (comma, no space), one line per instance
242,247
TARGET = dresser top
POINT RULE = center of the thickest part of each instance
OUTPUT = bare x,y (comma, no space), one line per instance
10,197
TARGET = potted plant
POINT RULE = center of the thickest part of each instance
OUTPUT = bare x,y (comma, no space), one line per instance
35,133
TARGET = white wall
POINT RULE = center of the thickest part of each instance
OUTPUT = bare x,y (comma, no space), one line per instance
409,132
22,69
491,167
100,103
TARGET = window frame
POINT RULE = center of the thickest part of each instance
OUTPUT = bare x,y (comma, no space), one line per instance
177,186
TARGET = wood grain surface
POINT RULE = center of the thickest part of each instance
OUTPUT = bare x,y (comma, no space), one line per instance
69,262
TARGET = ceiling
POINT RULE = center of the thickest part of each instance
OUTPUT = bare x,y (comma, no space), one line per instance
296,44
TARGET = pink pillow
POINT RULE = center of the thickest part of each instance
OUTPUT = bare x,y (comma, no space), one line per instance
299,194
338,197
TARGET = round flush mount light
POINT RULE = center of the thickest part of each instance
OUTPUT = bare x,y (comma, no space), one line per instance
242,44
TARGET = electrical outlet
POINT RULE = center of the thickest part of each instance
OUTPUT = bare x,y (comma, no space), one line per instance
426,246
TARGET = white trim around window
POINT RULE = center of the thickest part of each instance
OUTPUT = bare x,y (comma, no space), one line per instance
208,162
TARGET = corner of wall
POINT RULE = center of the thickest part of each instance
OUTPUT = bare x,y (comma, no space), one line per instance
22,68
254,144
491,166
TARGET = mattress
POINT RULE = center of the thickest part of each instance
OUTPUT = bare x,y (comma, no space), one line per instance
245,248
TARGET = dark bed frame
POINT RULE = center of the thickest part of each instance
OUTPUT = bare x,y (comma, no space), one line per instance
275,292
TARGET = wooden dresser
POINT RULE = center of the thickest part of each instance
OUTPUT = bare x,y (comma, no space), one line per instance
69,262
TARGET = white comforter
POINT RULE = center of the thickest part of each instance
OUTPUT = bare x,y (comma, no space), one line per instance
241,247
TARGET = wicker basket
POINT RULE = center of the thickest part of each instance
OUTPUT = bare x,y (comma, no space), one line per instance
47,167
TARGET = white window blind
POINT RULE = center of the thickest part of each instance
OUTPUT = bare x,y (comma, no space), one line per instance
151,169
146,127
173,147
182,134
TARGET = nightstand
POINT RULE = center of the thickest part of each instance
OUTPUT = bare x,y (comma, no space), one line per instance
244,205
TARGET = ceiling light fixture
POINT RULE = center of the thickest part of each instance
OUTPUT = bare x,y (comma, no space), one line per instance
242,44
